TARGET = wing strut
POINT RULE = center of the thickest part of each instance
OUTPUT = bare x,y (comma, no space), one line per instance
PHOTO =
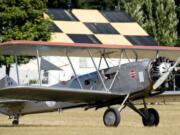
105,60
121,56
157,54
38,64
122,104
107,90
100,63
103,57
17,71
127,56
73,70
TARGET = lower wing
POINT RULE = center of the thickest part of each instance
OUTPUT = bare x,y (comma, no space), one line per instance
9,106
58,94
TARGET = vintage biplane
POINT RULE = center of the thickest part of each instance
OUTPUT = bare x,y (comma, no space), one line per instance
147,75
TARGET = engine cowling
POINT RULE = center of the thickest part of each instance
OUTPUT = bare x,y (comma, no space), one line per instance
160,66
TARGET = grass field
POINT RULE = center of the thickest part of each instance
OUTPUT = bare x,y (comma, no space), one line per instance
80,122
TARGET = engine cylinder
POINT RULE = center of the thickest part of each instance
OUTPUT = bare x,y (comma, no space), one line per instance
158,67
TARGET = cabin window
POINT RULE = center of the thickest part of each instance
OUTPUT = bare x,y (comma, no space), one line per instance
87,82
110,76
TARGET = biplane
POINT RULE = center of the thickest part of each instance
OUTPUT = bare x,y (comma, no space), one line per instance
147,74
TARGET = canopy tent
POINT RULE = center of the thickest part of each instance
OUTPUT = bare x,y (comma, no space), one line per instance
46,65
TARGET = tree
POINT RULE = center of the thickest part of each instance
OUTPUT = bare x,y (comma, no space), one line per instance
97,4
8,60
64,4
177,2
57,4
22,20
86,4
157,17
178,16
135,9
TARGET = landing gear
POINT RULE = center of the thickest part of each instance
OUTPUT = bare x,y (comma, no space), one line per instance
16,120
152,118
111,117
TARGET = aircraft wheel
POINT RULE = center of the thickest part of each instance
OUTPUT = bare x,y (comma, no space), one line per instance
15,122
153,118
111,117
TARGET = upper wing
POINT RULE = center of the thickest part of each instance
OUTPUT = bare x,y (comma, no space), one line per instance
57,94
78,49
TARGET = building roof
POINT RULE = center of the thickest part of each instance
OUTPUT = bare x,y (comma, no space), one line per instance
97,27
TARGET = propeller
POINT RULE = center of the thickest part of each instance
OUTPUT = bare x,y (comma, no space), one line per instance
165,75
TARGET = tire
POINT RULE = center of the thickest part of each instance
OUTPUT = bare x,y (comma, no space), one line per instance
15,122
153,118
111,117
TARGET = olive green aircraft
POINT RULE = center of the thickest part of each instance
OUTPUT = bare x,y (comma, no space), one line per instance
147,74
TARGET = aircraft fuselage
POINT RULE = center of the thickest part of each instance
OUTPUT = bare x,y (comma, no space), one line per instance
127,78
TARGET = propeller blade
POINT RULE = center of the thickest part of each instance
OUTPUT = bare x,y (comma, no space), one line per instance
165,75
161,80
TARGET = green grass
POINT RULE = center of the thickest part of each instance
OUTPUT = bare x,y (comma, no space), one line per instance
80,122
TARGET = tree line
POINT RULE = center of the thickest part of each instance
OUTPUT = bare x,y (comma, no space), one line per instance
22,20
